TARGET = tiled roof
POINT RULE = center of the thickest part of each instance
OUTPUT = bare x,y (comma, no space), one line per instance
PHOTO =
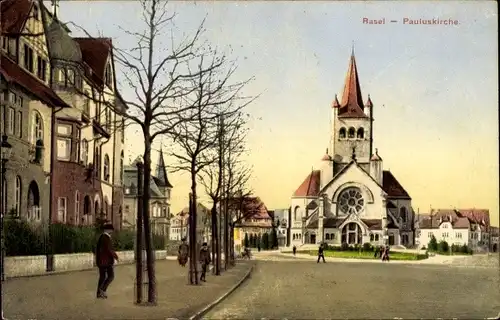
310,186
392,187
476,215
434,221
14,73
351,105
14,14
201,210
95,52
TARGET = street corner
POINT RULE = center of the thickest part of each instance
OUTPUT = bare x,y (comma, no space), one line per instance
241,272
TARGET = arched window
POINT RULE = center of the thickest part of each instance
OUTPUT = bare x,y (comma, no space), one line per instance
342,133
372,237
85,151
106,167
77,208
351,201
18,196
351,133
327,236
403,213
296,213
86,219
37,127
361,133
376,237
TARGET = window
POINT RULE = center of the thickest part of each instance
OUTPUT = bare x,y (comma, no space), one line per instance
37,127
41,69
12,121
106,168
351,201
342,133
5,43
360,134
28,58
97,162
86,106
108,76
19,101
121,168
64,142
19,127
351,133
403,213
458,235
77,207
18,195
62,209
429,234
376,237
85,152
70,77
445,234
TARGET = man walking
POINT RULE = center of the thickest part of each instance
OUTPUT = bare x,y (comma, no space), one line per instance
105,259
294,250
321,254
183,253
204,260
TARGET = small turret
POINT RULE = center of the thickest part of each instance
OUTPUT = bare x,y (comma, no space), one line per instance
376,169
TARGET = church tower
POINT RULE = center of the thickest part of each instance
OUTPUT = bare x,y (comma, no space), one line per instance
161,175
352,122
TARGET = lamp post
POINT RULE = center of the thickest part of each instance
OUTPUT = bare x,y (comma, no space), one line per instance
5,152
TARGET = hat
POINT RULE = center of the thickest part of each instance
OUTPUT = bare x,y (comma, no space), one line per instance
204,244
108,226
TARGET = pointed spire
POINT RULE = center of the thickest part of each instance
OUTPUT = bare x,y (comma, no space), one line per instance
376,157
369,102
352,100
161,171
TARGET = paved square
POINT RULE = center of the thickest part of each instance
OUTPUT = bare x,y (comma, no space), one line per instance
306,290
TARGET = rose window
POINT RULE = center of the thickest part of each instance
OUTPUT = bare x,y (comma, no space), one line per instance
351,201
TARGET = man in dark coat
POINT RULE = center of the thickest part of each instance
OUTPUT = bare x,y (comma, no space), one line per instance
105,259
321,255
183,253
294,250
204,260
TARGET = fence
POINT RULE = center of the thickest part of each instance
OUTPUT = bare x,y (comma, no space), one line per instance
22,238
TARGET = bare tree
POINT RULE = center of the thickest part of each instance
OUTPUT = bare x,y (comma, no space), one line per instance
213,98
211,177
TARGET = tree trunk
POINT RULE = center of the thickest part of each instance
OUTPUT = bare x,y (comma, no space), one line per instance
139,245
150,259
215,241
231,241
226,231
193,239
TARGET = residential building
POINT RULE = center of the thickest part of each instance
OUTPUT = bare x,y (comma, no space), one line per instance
27,106
351,198
495,239
281,223
252,218
179,227
467,227
160,190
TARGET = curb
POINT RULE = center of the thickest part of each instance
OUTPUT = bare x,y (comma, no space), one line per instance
202,312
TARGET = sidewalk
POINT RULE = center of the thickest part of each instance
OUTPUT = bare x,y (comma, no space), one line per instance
72,295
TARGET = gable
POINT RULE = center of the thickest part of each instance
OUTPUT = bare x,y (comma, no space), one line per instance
353,175
392,186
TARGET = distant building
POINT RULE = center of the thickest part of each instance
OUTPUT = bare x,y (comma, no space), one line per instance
495,239
457,226
254,219
281,222
179,226
160,192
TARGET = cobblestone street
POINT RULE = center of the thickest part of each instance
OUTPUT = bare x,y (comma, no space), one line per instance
306,290
72,295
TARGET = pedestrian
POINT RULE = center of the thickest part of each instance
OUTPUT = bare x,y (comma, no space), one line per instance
386,254
381,252
294,250
321,254
204,260
105,259
182,254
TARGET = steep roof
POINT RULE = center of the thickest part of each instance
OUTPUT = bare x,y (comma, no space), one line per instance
161,177
95,53
14,14
310,186
392,186
15,74
351,105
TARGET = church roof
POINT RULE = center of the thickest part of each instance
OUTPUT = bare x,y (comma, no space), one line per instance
310,186
352,105
161,177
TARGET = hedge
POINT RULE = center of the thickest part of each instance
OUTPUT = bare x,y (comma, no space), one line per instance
24,239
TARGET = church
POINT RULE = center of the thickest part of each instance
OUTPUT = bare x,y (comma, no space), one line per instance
351,198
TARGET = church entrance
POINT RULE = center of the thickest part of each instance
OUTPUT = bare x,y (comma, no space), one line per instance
313,238
352,234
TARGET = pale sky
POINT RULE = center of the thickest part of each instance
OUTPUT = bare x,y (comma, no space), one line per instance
434,87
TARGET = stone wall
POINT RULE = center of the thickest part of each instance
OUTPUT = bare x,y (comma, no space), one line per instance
36,265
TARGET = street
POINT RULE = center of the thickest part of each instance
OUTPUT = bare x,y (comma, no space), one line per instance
303,289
